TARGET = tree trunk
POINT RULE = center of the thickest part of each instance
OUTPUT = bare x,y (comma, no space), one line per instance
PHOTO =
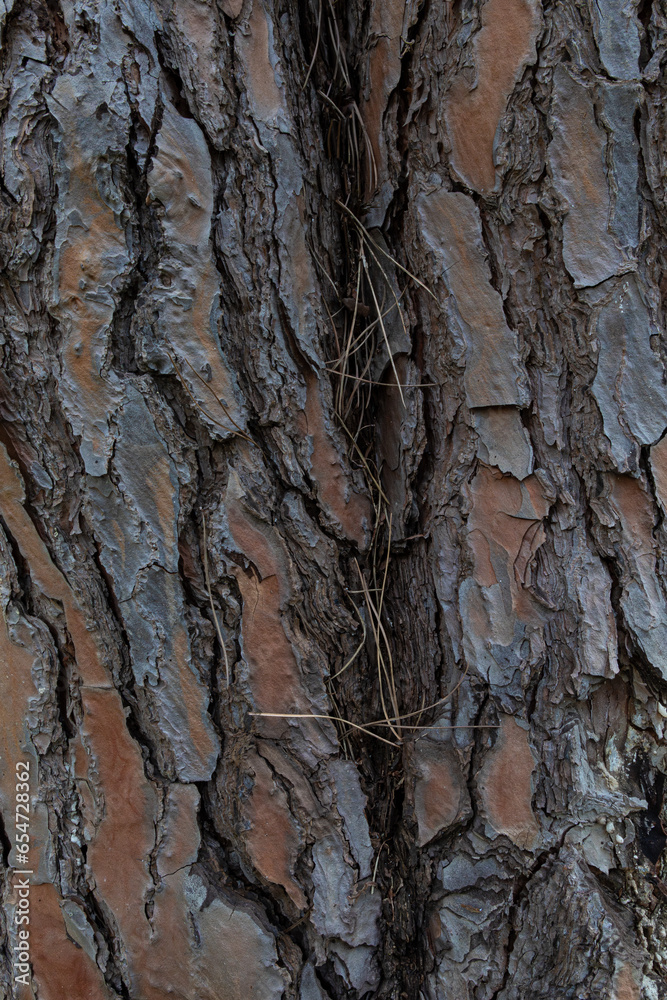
332,499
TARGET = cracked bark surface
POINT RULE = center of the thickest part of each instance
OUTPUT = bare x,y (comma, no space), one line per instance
235,553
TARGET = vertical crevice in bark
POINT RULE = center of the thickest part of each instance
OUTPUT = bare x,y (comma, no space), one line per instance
192,234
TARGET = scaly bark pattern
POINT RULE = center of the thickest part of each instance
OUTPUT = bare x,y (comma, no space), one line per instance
235,551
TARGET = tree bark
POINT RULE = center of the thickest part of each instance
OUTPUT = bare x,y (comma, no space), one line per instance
332,499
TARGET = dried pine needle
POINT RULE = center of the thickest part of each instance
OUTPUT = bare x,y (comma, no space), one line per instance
210,597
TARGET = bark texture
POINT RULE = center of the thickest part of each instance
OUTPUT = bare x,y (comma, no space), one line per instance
240,565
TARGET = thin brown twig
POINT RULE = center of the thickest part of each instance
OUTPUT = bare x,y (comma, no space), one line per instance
347,346
368,238
382,326
238,432
313,715
317,45
210,597
390,385
378,652
357,650
428,708
447,728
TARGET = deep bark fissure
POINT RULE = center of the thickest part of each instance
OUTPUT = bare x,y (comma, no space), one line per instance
191,236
